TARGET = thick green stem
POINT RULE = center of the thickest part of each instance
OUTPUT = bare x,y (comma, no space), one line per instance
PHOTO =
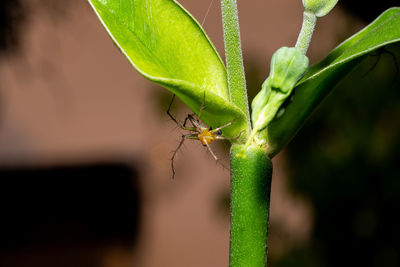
307,29
233,57
251,172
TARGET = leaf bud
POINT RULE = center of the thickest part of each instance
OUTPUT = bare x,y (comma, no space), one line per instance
319,7
288,65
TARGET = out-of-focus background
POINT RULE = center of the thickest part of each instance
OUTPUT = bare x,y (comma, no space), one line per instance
85,147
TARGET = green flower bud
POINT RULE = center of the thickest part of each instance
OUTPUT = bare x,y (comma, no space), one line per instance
288,65
319,7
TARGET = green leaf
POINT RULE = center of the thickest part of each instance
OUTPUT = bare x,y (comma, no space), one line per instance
324,76
168,46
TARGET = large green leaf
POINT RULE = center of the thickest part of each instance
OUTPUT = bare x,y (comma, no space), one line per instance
324,76
168,46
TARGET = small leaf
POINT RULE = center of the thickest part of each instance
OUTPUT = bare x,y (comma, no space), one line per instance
324,76
168,46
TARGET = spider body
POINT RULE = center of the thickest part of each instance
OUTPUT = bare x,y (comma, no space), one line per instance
206,135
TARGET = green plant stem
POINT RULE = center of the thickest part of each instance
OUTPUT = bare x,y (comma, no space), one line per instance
251,173
234,59
307,29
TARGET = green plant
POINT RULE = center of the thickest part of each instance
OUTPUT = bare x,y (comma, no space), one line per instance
168,46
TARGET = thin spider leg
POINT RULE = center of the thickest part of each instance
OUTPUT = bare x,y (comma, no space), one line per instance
192,120
215,157
223,165
226,138
185,121
221,127
226,125
169,113
182,126
396,65
195,123
374,65
183,138
212,153
379,54
174,154
233,138
208,10
240,134
203,104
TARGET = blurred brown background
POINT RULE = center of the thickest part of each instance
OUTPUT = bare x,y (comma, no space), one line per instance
85,148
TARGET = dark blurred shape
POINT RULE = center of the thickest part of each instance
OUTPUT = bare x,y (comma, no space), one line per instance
72,208
12,17
345,160
368,10
15,14
254,75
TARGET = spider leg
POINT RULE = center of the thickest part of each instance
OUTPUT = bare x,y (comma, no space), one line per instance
396,65
374,65
237,137
190,118
205,16
215,157
379,54
226,138
180,125
212,153
221,127
203,102
183,138
169,109
391,54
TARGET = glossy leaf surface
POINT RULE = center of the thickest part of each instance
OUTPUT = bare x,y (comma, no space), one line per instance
168,46
324,76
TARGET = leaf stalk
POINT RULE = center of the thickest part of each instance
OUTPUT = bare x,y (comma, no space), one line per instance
306,32
234,58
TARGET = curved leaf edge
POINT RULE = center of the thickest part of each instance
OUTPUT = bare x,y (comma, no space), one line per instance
192,95
150,77
203,32
327,64
215,110
330,60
